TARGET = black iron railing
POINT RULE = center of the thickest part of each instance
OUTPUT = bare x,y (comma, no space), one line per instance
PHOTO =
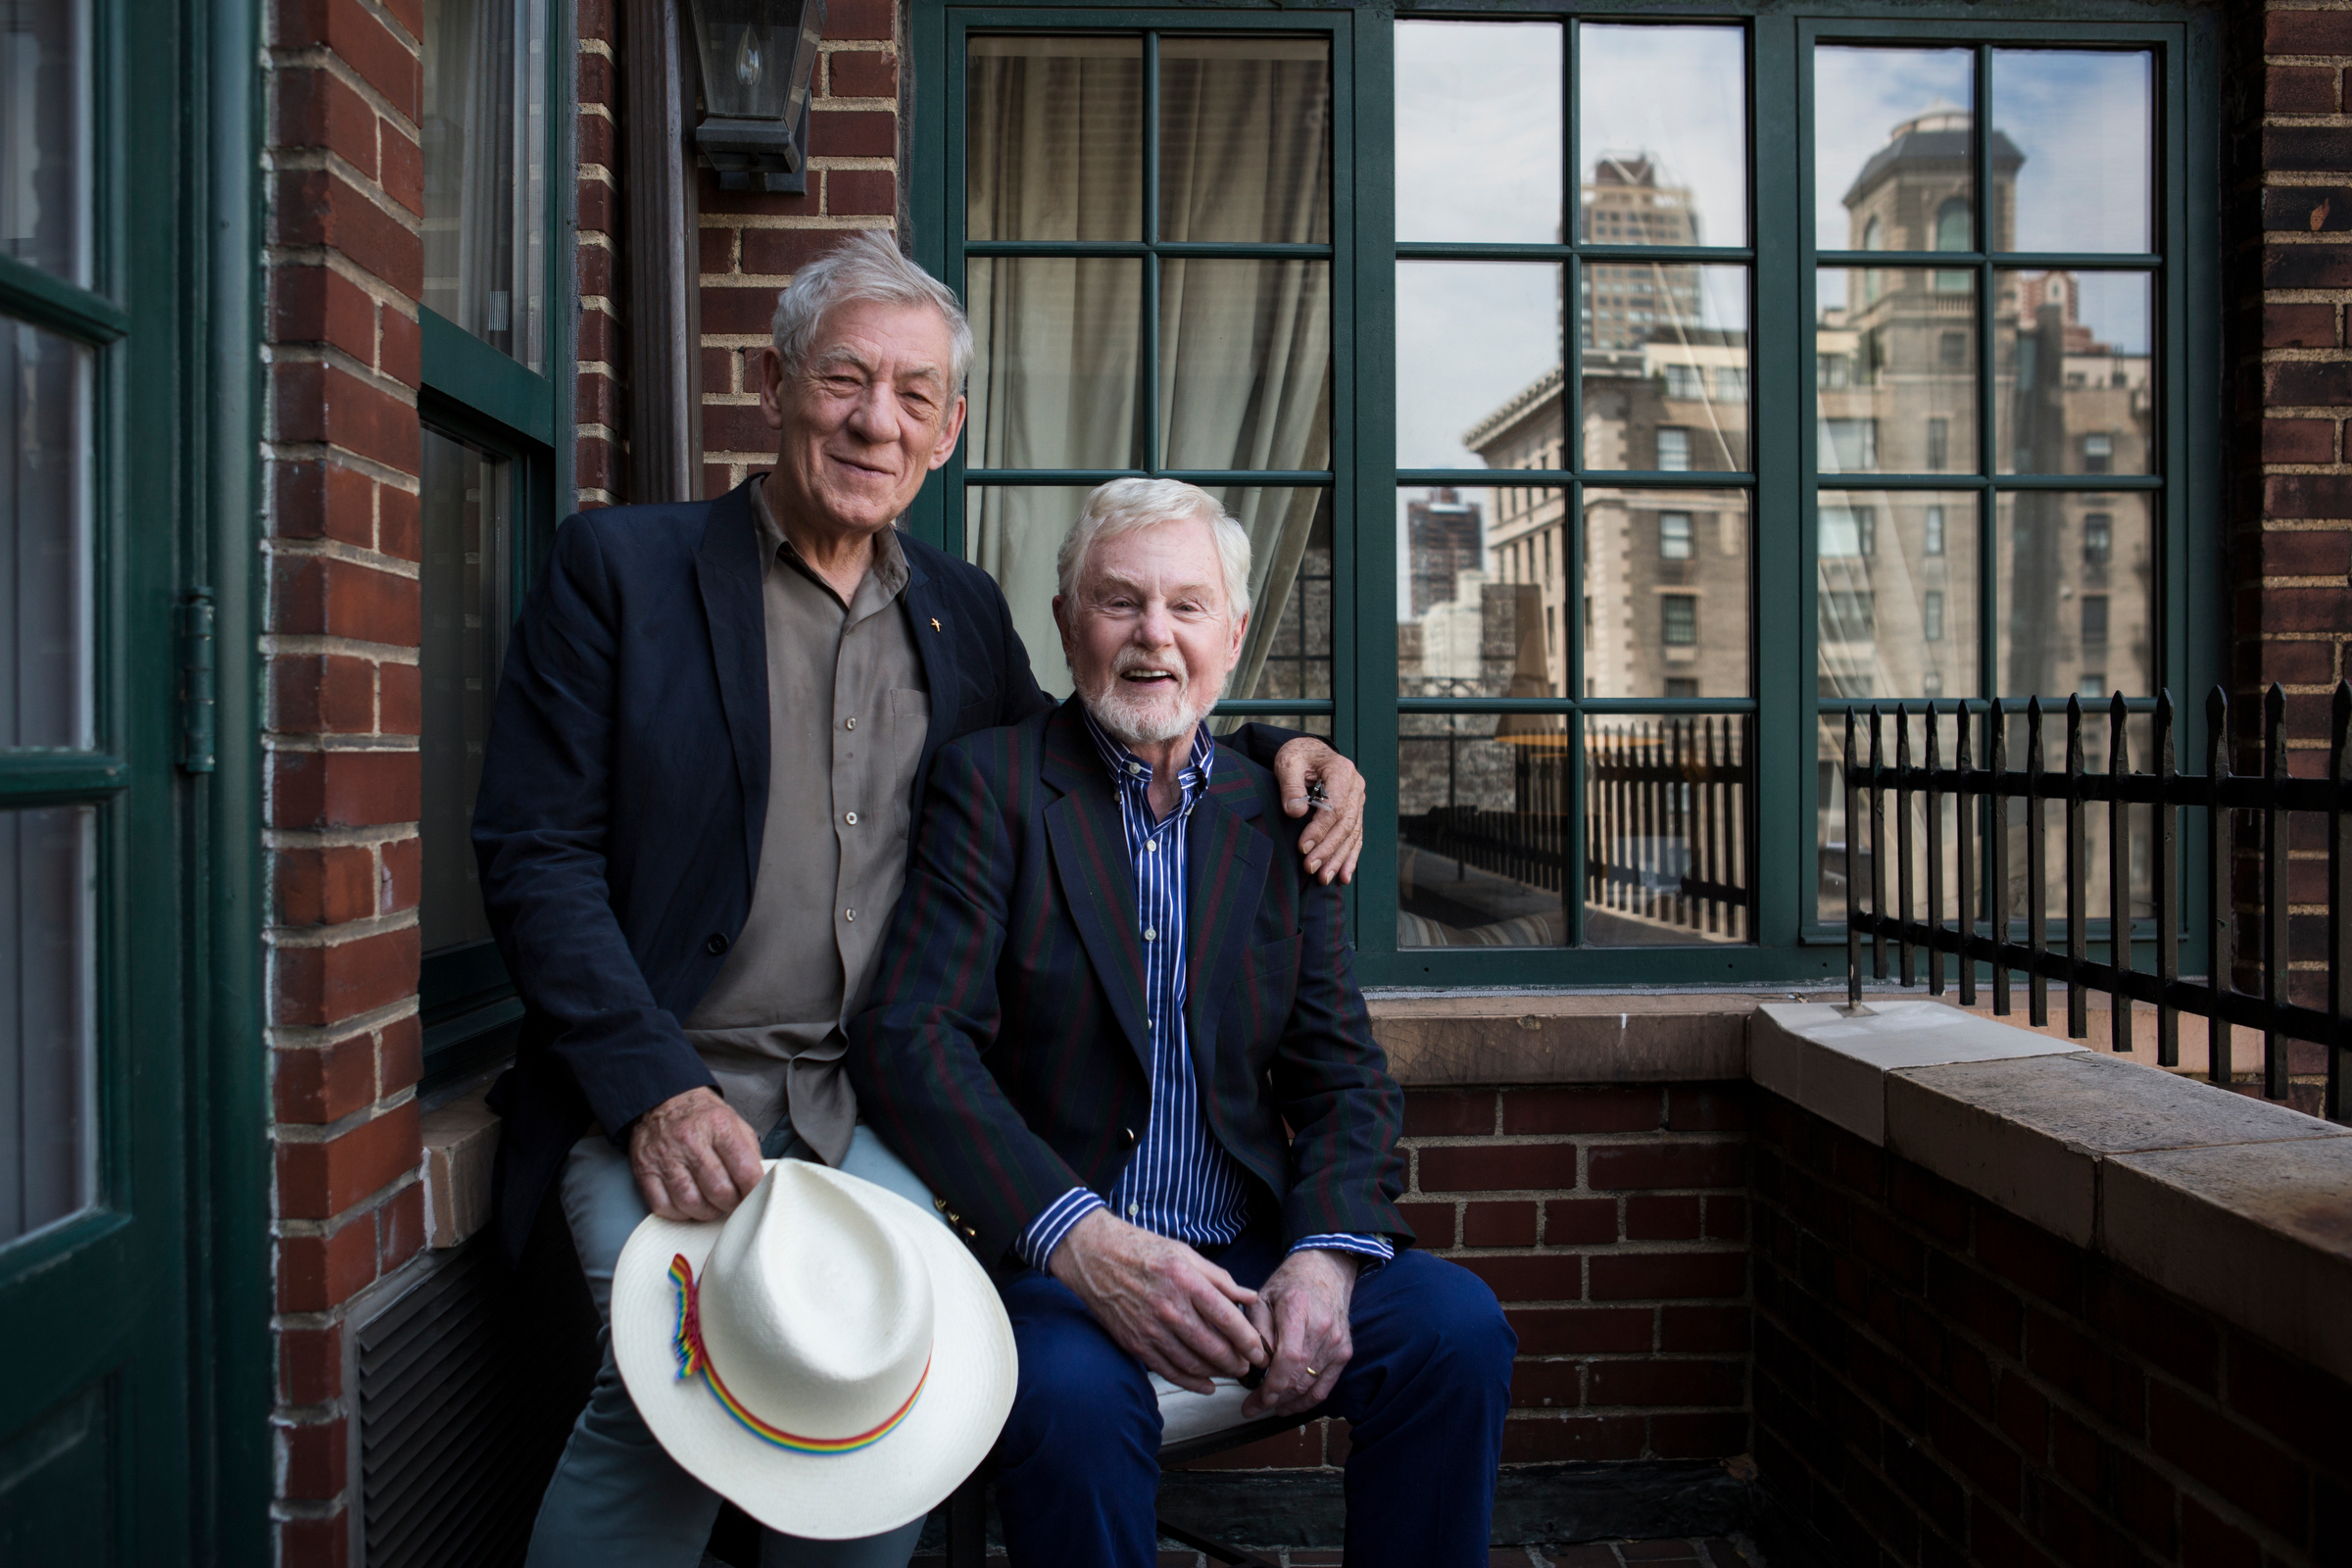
1967,824
1666,814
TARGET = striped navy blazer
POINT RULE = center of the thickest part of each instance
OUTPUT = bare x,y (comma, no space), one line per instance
1005,1053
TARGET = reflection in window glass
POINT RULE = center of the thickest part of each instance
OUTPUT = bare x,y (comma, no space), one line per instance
1056,351
2066,607
1479,124
1477,342
467,502
1012,532
1667,860
45,639
1902,387
45,169
1685,553
1665,366
1244,365
1476,580
485,163
1244,140
1895,594
1891,144
48,1124
1678,621
2079,125
1483,830
2075,381
1054,139
1673,536
1663,111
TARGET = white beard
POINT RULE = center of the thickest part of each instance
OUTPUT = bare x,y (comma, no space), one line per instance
1138,720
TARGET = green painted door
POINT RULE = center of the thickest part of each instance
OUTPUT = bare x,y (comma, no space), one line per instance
98,1432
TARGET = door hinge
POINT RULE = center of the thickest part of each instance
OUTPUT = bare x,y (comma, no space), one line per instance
196,681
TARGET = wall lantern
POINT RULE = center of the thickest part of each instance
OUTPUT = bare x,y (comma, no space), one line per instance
757,57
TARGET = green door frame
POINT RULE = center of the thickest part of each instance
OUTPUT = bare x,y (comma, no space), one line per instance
1791,947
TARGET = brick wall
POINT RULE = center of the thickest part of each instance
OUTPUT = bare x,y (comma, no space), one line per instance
345,266
752,243
1612,1222
598,448
1939,1382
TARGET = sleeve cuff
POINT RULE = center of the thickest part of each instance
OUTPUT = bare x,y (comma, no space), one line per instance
1373,1250
1045,1233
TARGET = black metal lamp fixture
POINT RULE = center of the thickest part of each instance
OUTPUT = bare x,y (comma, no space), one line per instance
757,57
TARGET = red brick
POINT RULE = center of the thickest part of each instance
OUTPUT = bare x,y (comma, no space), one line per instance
2267,1482
1657,1276
2306,383
317,500
1661,1219
1697,1435
1448,1112
310,1364
1432,1223
1574,1330
410,13
595,268
319,207
861,192
1612,1109
314,305
321,694
1704,1328
2284,32
718,250
1651,1381
2299,90
319,1180
597,141
403,875
2305,554
2207,1542
321,985
316,109
400,354
316,1542
2298,326
344,789
1497,1167
2030,1258
2308,209
770,253
717,480
2293,1401
400,1228
316,402
324,1083
1707,1107
2285,609
2298,440
322,596
1541,1277
311,1460
1989,1463
317,1272
1727,1218
863,74
400,524
736,427
403,173
853,133
401,698
1618,1167
1499,1225
2306,149
1546,1385
1300,1448
716,203
325,885
1569,1220
860,19
1534,1440
595,79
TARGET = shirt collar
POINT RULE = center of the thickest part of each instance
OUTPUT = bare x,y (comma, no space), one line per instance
1128,771
888,572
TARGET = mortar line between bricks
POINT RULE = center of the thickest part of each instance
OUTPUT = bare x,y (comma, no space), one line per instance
274,450
280,258
313,1133
323,56
325,160
315,1230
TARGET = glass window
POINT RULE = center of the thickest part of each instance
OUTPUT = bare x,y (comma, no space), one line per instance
1930,531
485,170
1673,536
46,642
467,501
2094,621
48,1147
1674,450
1930,618
45,171
1678,621
2098,538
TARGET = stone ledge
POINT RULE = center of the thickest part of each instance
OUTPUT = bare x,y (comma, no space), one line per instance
1835,1065
460,1148
1476,1038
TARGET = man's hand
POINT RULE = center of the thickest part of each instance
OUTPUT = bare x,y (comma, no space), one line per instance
1301,1310
1331,842
1164,1303
694,1158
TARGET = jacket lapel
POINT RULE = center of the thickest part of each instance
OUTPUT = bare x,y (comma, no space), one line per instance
1225,875
727,569
921,600
1097,876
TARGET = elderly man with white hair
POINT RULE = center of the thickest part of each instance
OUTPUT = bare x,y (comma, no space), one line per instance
710,739
1116,1031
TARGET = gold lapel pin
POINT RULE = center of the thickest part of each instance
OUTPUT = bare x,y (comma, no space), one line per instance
935,623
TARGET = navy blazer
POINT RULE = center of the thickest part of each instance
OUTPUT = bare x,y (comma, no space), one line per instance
624,790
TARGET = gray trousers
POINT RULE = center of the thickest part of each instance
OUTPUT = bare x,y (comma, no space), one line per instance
617,1497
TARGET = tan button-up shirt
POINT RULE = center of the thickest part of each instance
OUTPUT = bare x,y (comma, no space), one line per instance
847,713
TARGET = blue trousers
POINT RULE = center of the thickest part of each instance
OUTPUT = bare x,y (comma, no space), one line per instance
616,1498
1078,1465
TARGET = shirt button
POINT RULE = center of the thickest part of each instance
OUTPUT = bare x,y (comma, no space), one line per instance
848,723
1151,847
1130,1132
1151,935
848,914
716,944
1134,1209
849,817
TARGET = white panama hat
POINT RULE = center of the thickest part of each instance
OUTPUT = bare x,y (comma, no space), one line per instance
828,1357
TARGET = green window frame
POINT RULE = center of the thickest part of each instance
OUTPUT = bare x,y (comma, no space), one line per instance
477,394
1784,481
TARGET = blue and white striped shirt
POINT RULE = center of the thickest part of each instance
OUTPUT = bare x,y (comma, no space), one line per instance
1181,1182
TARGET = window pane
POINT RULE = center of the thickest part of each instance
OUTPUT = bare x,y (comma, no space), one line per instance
1483,830
1895,594
1668,853
1287,650
1057,347
485,163
45,159
1013,533
1891,144
48,1126
2063,552
1475,340
466,502
2076,392
1665,601
1665,366
1245,372
1481,593
1479,131
1897,379
1829,819
1663,111
2074,129
1244,139
1054,139
45,643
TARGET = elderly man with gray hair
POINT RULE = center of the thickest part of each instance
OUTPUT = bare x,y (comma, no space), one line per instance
1118,1032
711,735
